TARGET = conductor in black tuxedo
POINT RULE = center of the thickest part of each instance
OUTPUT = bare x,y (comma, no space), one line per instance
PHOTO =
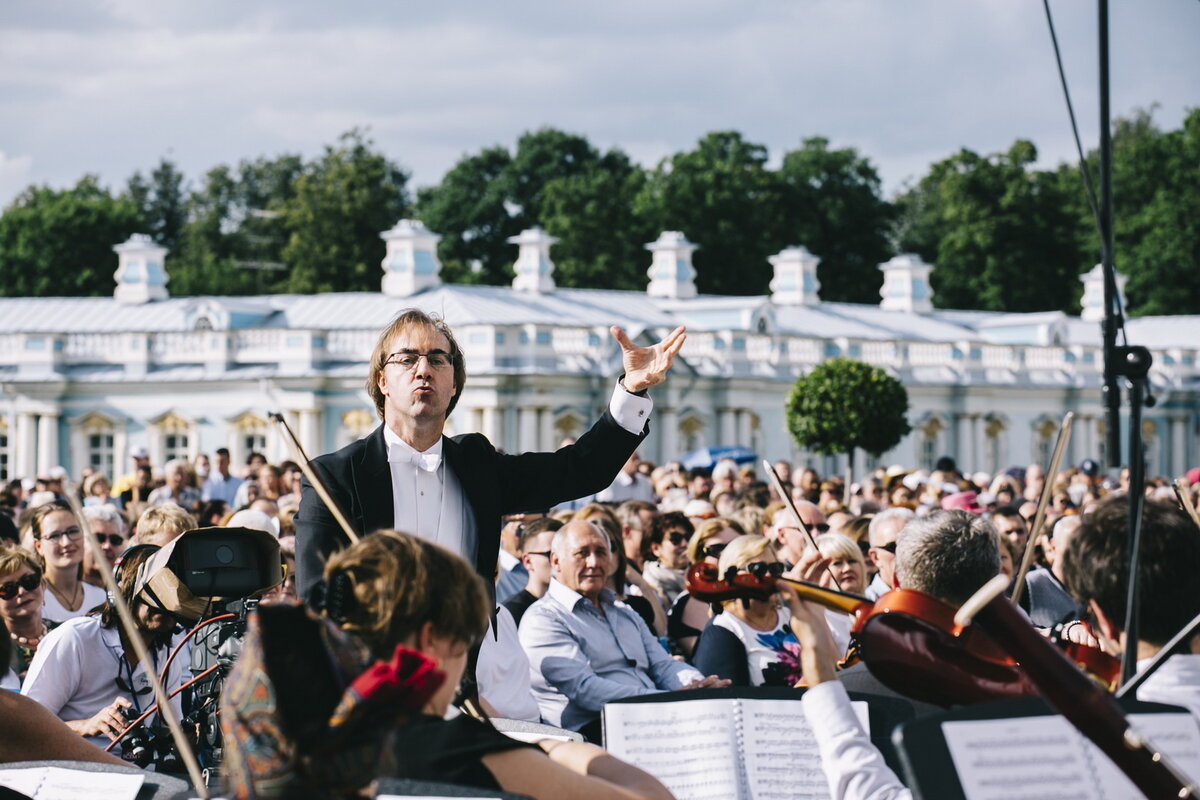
453,491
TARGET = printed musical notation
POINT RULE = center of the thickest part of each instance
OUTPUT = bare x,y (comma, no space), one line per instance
740,748
1038,758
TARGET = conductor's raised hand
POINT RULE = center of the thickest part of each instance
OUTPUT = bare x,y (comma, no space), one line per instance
647,366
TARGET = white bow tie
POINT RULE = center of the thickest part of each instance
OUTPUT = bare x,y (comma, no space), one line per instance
426,461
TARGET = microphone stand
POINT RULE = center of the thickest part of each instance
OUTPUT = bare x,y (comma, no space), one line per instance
1129,362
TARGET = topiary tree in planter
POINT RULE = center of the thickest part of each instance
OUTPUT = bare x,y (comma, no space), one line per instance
843,406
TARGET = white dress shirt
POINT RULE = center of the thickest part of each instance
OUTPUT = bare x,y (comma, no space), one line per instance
502,671
427,498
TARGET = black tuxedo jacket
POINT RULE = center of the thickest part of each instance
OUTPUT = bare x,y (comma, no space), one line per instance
360,481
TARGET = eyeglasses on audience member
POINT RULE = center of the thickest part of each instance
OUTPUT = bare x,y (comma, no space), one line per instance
70,534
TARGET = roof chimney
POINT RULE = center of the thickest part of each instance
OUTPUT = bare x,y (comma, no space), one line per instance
140,275
795,282
1092,301
906,285
533,265
671,271
410,264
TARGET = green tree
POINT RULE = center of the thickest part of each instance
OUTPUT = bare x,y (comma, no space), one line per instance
835,208
844,405
161,200
1000,235
493,195
58,243
601,240
723,198
342,202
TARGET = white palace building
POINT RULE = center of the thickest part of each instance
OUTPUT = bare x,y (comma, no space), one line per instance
86,379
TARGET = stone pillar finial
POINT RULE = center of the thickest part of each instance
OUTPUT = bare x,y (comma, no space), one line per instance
906,285
671,272
795,281
533,265
141,277
1092,302
410,264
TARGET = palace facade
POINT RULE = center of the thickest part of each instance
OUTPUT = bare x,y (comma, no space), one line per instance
86,379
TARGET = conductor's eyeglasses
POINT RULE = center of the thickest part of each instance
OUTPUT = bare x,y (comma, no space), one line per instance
437,359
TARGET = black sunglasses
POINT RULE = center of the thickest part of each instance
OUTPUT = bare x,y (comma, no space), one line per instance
678,537
545,553
27,582
115,539
890,547
714,550
761,569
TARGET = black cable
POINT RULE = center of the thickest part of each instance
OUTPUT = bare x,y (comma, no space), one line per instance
1087,176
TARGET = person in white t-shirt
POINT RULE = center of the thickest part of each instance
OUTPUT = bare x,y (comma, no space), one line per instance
86,672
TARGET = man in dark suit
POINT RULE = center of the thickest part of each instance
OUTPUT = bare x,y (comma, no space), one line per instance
453,491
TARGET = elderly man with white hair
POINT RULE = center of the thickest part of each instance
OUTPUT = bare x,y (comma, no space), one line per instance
176,489
584,649
790,541
882,533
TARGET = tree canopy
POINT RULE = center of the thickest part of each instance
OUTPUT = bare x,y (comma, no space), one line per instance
1002,234
844,405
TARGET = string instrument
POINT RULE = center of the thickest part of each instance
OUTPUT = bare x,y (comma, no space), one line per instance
1094,712
908,640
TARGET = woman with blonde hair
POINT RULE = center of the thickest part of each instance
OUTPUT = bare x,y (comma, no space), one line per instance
846,563
58,541
21,594
370,700
749,642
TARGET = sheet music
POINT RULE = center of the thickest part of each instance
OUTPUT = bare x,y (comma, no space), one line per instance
59,783
689,745
780,751
1036,758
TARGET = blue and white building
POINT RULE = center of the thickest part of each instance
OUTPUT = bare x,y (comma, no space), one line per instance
86,379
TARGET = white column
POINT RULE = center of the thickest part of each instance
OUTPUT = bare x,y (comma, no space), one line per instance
47,442
977,448
668,437
743,428
546,440
490,426
962,442
1178,460
1084,431
726,427
527,429
310,432
25,456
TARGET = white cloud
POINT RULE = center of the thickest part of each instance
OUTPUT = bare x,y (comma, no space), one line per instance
128,81
15,175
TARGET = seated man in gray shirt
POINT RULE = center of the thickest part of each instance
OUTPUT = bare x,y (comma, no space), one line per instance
584,647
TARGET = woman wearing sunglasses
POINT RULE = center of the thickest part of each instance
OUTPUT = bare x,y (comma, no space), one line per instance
664,551
58,540
689,615
749,642
21,605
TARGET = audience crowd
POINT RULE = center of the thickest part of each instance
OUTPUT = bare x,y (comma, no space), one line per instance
590,603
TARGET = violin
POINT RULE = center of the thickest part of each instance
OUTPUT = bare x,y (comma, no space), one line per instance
908,640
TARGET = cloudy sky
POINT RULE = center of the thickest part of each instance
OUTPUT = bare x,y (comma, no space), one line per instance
111,86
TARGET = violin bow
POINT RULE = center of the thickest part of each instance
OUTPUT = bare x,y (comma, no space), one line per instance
1039,519
165,709
301,459
787,499
1183,492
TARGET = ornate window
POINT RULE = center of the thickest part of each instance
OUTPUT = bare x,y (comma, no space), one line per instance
691,433
249,435
1044,432
993,442
356,424
930,441
96,442
568,426
172,436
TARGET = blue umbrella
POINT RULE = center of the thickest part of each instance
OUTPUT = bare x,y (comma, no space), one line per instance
707,457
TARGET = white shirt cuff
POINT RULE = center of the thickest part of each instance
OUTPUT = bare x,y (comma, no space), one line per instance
630,411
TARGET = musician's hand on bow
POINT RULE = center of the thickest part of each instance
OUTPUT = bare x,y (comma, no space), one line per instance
818,653
647,366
